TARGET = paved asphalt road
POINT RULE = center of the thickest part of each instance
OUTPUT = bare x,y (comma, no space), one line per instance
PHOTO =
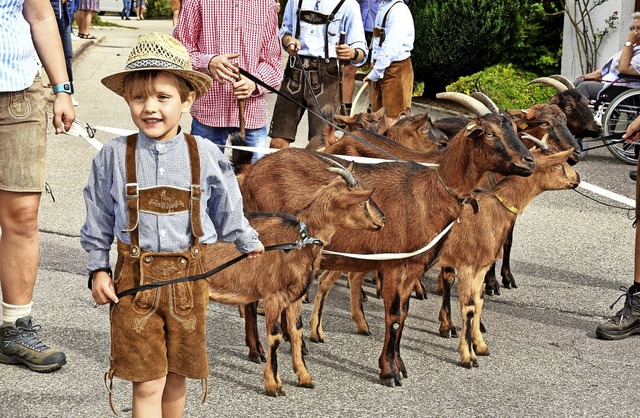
570,256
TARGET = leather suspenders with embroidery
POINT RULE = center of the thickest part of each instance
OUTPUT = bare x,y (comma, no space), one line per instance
314,17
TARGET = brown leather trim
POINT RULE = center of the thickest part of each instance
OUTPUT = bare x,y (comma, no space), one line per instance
164,200
194,156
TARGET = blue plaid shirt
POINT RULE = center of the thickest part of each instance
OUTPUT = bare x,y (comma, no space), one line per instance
162,163
19,63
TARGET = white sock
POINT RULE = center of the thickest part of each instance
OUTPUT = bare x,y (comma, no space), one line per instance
11,313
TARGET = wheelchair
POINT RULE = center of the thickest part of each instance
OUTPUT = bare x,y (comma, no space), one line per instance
616,107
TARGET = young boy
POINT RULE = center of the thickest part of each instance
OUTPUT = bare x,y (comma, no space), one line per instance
166,196
392,74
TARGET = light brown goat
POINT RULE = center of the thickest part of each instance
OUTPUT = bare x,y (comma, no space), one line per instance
481,236
281,278
358,122
419,202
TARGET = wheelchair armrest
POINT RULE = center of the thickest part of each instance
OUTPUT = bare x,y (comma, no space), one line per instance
628,77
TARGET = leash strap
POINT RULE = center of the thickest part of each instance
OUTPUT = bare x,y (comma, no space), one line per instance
147,286
356,137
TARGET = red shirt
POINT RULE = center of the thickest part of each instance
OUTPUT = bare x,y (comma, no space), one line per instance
214,27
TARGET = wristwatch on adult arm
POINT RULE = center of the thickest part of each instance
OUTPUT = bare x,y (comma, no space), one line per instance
628,43
63,88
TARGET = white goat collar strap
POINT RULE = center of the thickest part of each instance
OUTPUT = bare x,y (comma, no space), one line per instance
393,256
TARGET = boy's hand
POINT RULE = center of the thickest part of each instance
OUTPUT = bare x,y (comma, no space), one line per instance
291,45
243,88
103,290
222,69
257,252
344,52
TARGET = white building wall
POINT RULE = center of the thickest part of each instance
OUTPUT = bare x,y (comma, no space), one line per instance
611,43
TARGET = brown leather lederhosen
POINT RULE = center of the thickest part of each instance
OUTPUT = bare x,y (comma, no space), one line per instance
160,330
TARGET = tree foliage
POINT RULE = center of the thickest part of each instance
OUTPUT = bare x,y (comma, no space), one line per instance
461,37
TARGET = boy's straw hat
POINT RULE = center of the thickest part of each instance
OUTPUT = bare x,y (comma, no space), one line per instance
157,51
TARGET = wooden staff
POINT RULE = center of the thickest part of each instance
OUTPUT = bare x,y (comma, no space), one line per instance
343,109
243,132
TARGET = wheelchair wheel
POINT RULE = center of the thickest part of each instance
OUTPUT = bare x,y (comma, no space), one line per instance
622,110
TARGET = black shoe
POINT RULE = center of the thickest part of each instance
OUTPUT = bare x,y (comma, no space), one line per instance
633,174
20,344
626,322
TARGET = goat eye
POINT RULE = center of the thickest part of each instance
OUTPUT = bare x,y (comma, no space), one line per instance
568,107
489,134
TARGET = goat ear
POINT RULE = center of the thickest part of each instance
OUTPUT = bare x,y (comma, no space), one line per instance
548,160
473,130
356,197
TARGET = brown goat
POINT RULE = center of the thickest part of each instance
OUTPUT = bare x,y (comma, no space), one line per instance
482,235
419,202
281,278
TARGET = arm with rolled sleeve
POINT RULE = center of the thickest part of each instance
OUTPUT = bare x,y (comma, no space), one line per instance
398,42
354,30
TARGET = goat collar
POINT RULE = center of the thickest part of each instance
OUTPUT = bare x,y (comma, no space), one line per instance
467,200
305,239
510,208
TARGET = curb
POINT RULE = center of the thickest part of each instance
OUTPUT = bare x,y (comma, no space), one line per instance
84,44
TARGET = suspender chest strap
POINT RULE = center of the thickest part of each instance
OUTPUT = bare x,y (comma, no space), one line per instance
313,17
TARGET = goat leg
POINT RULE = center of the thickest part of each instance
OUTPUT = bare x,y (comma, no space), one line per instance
294,325
491,285
325,283
357,311
507,278
447,327
252,337
272,383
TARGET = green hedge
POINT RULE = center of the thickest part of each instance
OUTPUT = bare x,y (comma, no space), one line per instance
506,85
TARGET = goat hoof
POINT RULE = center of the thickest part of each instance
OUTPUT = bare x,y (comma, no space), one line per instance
364,332
496,290
281,392
488,291
483,329
391,382
316,340
365,298
255,358
474,362
308,385
378,295
466,364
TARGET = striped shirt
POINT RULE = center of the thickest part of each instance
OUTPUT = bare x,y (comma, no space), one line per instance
213,27
19,63
368,9
162,163
399,36
347,20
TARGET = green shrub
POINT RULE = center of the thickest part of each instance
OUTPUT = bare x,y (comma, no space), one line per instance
158,9
460,37
506,85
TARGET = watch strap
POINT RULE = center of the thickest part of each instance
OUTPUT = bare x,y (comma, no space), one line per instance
63,88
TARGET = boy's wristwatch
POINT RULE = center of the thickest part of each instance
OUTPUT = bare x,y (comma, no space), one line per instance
63,88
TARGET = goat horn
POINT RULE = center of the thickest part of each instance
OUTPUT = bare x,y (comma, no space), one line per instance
485,100
471,103
550,82
338,168
345,174
535,140
564,80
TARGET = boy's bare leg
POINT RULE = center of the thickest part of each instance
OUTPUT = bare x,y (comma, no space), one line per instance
348,84
148,398
174,397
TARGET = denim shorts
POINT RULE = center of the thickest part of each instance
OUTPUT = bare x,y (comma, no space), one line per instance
23,139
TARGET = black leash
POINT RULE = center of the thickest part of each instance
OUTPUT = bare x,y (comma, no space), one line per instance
147,286
272,90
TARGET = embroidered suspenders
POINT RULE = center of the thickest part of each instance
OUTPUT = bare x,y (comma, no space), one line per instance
379,32
314,17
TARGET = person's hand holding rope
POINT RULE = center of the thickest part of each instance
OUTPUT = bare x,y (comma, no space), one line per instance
291,44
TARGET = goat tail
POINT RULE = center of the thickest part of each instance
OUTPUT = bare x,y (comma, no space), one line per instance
239,159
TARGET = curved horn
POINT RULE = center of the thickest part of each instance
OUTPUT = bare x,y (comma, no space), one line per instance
485,100
564,80
549,82
473,104
338,168
535,140
345,174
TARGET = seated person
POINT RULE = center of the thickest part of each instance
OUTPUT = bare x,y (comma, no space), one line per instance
627,61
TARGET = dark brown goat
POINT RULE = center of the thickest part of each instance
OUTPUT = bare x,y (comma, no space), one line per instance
419,202
281,278
482,235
